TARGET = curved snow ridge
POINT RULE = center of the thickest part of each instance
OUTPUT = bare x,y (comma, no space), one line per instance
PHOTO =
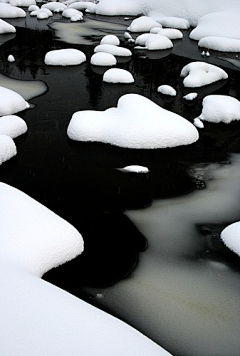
136,122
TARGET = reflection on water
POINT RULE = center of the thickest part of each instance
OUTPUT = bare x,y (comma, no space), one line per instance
188,304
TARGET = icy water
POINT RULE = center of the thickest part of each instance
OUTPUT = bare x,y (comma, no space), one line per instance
153,256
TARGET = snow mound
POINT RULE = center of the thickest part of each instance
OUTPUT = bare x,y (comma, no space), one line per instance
158,42
135,169
175,23
33,8
231,237
73,13
103,59
54,5
7,148
167,90
137,122
116,75
11,58
190,96
223,44
22,3
81,5
5,27
220,108
110,39
8,11
198,74
12,125
143,24
170,33
11,102
64,57
114,50
198,123
141,39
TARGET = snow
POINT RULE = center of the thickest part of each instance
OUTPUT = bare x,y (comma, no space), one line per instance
116,75
33,8
198,74
143,24
231,237
198,123
65,57
135,169
220,108
7,148
42,13
54,6
12,125
224,44
22,3
11,102
137,122
72,13
81,5
114,50
37,317
9,11
11,58
175,23
190,96
103,59
153,42
110,39
171,33
167,90
5,27
141,39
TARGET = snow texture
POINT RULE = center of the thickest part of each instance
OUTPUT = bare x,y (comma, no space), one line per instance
153,42
103,59
10,12
223,44
170,33
114,50
116,75
72,13
11,102
7,148
137,122
167,90
65,57
231,237
12,125
220,108
143,24
5,27
110,39
198,74
54,6
22,3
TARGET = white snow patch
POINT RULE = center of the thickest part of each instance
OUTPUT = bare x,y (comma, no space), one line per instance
7,148
167,90
231,237
143,24
22,3
198,123
11,102
190,96
171,33
11,58
103,59
175,23
198,74
110,39
158,42
135,169
69,13
114,50
12,125
137,122
116,75
54,5
64,57
9,11
33,8
220,108
5,27
141,39
223,44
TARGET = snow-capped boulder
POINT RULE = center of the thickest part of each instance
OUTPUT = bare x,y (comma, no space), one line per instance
114,50
64,57
11,58
22,3
198,74
54,5
231,237
110,39
171,33
190,96
137,122
8,11
12,125
134,169
5,27
11,102
7,148
143,24
166,90
158,42
103,59
70,13
223,44
116,75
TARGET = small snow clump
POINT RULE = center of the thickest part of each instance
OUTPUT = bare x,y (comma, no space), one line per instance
110,39
5,27
116,75
167,90
103,59
190,96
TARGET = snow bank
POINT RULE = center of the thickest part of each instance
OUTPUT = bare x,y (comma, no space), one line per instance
11,102
198,74
5,27
10,12
220,108
12,125
7,148
103,59
110,39
137,122
114,50
231,237
167,90
223,44
143,24
116,75
64,57
22,3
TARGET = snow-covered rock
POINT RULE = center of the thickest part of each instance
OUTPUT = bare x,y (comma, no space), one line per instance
134,169
54,5
64,57
231,237
110,39
141,39
7,148
137,122
12,125
103,59
175,23
167,90
158,42
171,33
11,58
198,123
10,12
72,13
22,3
33,8
220,108
143,24
223,44
198,74
5,27
116,75
114,50
11,102
190,96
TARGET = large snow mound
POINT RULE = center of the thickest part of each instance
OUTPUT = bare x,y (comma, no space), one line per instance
114,50
198,74
137,122
5,27
231,237
12,125
11,102
7,148
220,108
10,12
223,44
64,57
116,75
103,59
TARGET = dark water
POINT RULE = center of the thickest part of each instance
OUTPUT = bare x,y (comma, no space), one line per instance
80,181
